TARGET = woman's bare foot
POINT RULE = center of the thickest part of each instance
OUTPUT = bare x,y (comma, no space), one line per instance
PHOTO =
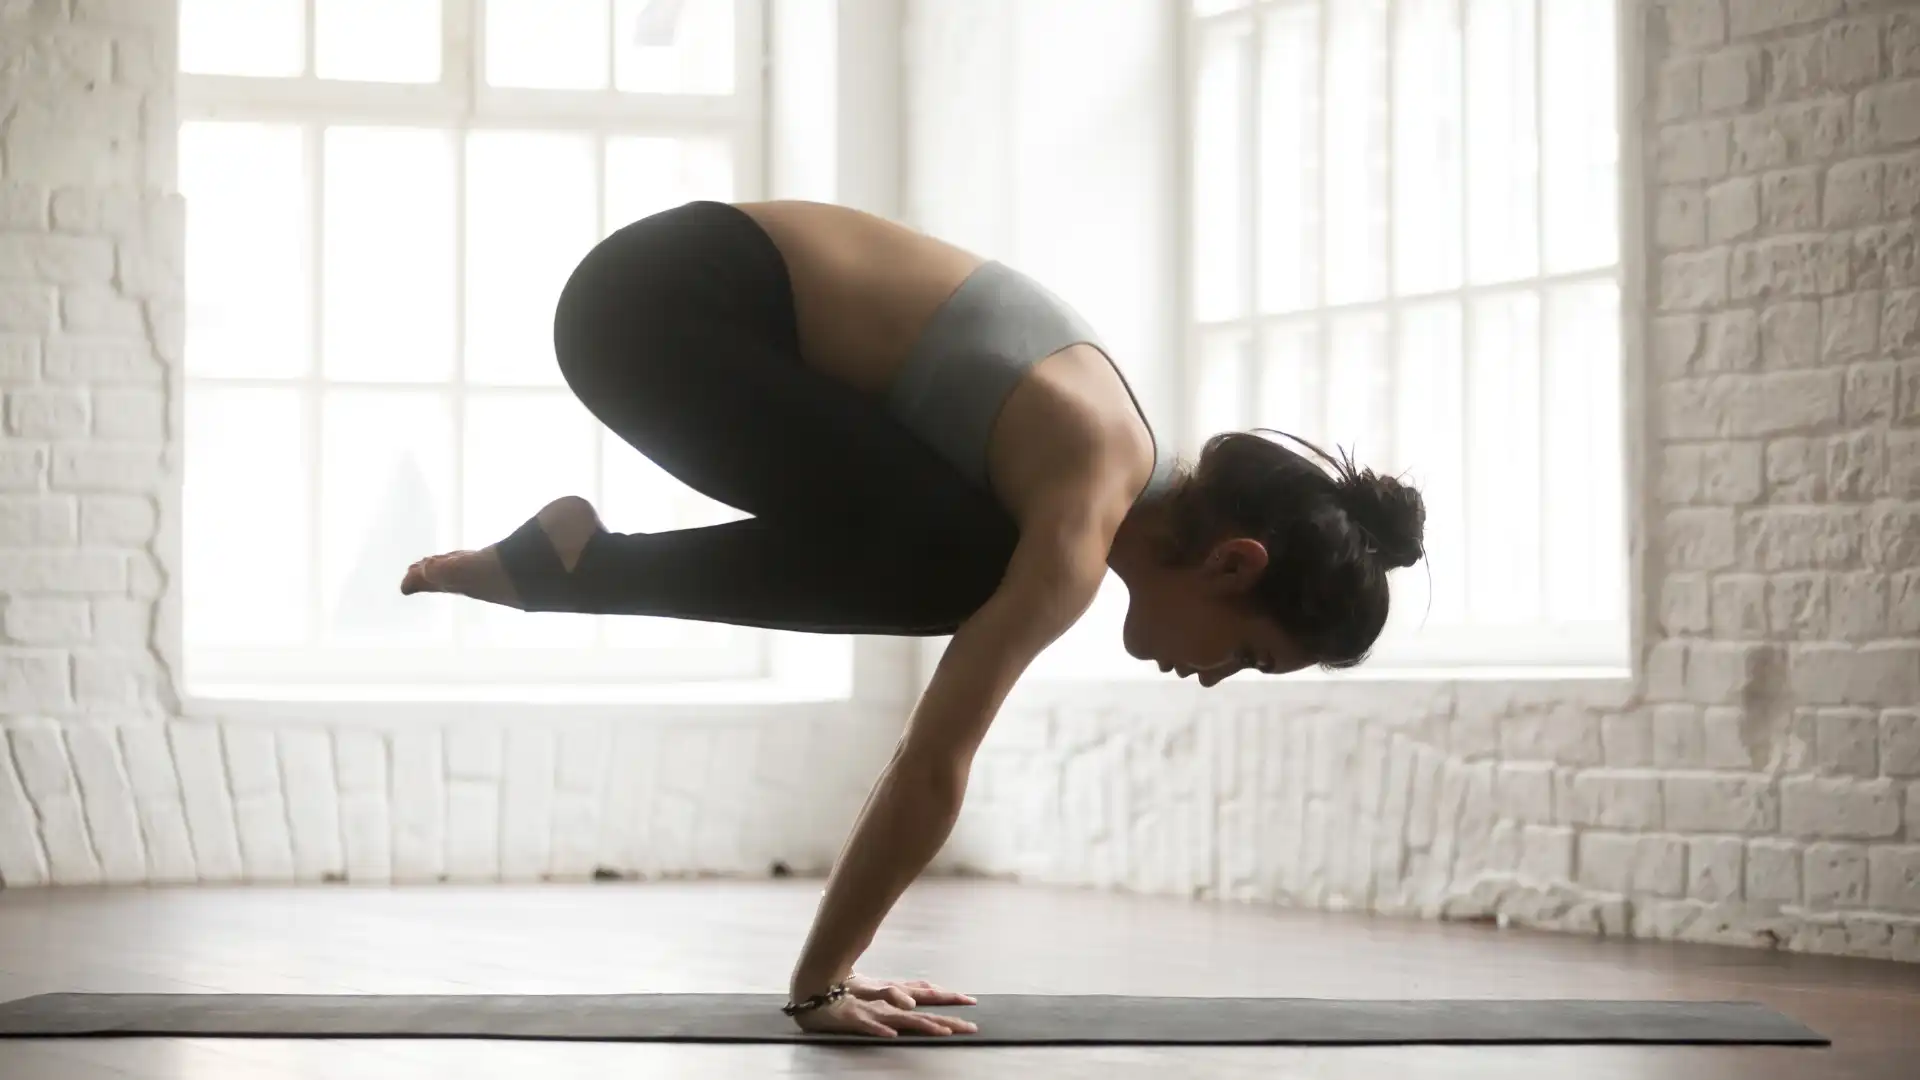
569,523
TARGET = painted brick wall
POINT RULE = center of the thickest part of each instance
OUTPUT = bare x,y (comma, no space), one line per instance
101,779
1759,782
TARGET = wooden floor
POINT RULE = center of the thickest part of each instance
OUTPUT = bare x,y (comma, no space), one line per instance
978,937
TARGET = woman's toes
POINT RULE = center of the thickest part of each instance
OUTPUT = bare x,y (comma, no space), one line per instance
435,573
451,572
415,579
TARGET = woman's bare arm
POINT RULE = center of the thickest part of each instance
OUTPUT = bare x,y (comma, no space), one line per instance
1050,581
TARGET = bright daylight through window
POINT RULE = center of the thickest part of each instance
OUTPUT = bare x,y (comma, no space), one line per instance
1405,241
385,198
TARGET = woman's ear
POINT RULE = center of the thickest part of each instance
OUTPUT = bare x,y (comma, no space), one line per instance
1235,564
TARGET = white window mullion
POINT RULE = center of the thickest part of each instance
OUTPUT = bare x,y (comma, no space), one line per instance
1390,358
473,53
235,97
312,390
1186,43
1543,321
229,97
457,19
751,64
1318,409
1459,295
464,44
1253,359
613,43
310,38
602,226
1468,489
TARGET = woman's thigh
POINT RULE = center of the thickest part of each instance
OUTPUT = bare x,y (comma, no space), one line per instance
678,333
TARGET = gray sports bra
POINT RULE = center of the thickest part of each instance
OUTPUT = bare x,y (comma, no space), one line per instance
975,350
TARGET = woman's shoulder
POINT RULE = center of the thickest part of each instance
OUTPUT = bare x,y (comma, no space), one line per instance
1071,430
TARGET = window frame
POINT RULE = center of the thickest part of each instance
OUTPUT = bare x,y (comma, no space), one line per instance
459,103
1552,648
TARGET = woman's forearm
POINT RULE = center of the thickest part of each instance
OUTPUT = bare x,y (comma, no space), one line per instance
1050,581
904,825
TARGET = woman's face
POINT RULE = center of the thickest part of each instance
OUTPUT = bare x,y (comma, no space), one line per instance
1193,620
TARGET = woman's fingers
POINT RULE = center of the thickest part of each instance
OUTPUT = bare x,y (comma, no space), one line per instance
925,993
881,990
929,1024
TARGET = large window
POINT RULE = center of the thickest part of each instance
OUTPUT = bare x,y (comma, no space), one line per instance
1404,241
384,200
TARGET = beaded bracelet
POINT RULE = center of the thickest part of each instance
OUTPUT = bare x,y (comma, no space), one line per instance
834,993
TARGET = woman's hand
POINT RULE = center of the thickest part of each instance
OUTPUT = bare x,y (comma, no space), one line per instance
885,1009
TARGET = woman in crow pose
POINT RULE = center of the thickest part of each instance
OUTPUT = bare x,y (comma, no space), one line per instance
928,443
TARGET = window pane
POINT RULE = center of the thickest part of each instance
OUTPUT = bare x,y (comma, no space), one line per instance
248,308
1503,459
521,452
648,174
1502,147
635,494
548,44
388,267
674,46
386,499
642,632
1582,153
1356,130
1584,545
638,496
1220,166
1427,207
1292,387
243,37
1429,388
1357,381
1290,159
1093,647
1225,389
377,40
531,217
244,537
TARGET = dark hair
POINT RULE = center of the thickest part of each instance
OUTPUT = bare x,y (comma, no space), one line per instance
1330,537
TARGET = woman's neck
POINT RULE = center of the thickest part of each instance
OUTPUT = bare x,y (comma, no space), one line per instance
1140,539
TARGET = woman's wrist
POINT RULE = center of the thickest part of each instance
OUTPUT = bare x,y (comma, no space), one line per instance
804,1002
806,984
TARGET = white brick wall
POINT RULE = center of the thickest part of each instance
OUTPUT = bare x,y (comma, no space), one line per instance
1755,784
101,779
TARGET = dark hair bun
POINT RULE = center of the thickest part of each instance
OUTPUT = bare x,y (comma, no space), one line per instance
1393,515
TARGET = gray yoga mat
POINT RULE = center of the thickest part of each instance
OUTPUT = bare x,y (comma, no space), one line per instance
1004,1019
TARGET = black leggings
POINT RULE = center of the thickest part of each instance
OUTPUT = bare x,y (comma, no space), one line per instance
678,333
